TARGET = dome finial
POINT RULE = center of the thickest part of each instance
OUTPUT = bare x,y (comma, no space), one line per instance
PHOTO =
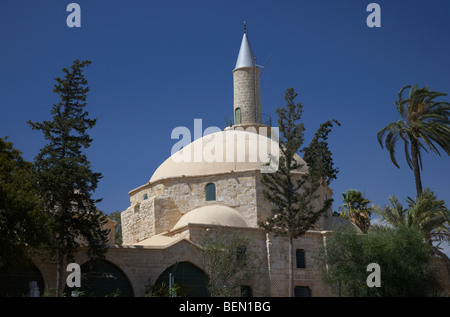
245,27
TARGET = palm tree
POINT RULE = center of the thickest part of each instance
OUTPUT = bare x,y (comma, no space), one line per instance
424,125
425,213
356,209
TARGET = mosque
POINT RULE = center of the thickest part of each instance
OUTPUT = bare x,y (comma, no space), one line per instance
212,183
168,217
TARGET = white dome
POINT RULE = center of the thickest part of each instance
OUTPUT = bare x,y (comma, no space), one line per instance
212,215
221,152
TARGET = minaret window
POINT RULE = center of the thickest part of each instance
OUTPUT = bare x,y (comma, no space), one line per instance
210,192
237,116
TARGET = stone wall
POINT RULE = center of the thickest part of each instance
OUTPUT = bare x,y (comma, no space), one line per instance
310,276
157,207
143,265
167,200
256,249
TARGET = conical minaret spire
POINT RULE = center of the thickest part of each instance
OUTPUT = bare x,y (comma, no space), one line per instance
246,58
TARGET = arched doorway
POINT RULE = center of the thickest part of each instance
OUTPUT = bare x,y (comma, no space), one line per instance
100,278
16,283
188,280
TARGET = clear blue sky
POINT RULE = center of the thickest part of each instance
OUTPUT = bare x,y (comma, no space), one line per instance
157,65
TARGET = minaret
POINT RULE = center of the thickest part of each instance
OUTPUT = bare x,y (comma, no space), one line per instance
247,91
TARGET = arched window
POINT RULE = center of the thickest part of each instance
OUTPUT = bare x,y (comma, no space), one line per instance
190,280
237,116
210,192
100,278
15,282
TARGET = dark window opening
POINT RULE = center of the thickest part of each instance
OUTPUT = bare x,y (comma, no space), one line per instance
210,192
240,256
246,291
302,291
300,257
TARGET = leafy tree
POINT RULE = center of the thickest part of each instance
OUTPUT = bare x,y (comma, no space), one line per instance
424,125
230,261
21,213
356,209
65,179
317,154
425,213
292,193
403,257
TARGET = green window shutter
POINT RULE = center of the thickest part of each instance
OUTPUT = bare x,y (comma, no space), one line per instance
210,192
237,116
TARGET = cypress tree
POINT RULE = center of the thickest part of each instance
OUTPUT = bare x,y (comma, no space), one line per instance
66,181
293,194
317,154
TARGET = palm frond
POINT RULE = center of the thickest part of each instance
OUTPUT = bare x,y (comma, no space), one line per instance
425,121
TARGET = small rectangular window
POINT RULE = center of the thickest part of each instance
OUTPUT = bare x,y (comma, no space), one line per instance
302,291
240,255
210,192
300,257
246,291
